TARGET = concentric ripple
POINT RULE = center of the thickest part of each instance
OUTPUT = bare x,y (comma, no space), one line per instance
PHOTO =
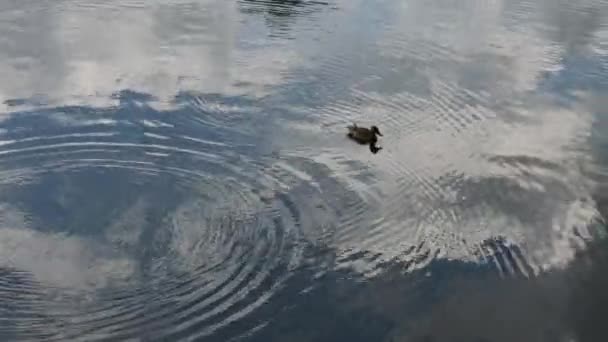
192,232
219,189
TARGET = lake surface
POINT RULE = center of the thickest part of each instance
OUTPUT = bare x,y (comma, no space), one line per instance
179,171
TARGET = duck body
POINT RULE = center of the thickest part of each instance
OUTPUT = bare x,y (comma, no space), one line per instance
365,136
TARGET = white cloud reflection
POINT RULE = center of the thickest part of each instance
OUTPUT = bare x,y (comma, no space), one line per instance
483,57
70,53
58,260
488,59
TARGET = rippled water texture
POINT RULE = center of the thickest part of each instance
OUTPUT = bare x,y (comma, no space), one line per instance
179,171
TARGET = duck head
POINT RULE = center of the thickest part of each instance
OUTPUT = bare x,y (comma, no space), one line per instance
376,130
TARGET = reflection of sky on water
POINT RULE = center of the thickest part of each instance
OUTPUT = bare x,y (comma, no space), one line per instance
85,54
74,53
495,107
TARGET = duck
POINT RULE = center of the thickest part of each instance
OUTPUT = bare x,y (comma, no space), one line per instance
365,136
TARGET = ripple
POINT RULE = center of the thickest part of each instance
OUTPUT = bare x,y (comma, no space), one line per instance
207,220
208,232
441,90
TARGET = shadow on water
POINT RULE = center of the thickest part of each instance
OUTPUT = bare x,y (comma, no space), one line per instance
282,8
281,14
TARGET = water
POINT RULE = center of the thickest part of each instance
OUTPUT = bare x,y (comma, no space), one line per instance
179,171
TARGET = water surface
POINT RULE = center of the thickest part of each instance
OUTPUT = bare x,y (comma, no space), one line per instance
179,171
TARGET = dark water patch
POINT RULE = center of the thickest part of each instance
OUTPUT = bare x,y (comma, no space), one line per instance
349,307
448,301
556,302
281,15
282,8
